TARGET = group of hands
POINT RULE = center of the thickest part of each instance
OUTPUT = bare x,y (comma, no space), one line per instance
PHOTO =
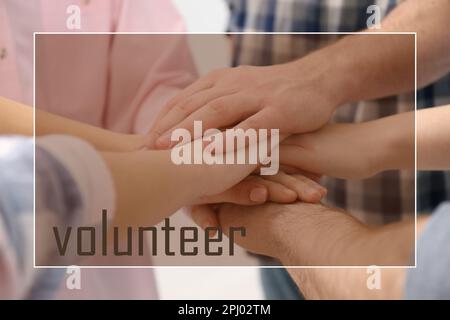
272,98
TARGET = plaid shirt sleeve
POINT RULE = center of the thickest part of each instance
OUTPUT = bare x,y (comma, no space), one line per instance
302,15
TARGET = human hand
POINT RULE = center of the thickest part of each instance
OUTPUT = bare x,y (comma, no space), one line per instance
280,188
298,234
347,151
293,97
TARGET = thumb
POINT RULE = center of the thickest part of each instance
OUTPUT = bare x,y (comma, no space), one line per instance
204,216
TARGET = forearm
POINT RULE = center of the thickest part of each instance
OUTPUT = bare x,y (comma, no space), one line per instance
393,243
346,283
430,20
149,187
17,119
396,135
367,66
392,142
433,139
318,235
47,123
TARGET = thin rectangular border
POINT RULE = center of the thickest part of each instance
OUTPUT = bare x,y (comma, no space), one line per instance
235,267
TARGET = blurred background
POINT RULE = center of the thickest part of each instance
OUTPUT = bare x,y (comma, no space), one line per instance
196,20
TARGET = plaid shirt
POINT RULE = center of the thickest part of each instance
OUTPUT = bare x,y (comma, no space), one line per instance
389,196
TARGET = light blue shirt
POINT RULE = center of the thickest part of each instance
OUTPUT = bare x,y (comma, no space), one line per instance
431,278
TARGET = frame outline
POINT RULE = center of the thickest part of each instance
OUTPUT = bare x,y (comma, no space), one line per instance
220,266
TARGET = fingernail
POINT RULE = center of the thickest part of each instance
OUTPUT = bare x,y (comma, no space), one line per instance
163,142
258,195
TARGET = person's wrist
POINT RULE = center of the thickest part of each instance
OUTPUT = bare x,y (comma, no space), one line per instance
392,143
374,151
346,246
330,73
290,232
180,176
341,238
277,233
312,234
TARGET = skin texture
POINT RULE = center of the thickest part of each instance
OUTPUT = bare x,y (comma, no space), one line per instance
18,119
433,138
148,181
354,150
357,151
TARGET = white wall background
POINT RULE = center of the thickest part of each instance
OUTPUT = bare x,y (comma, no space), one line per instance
204,15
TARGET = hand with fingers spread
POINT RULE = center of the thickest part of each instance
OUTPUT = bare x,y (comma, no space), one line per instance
290,97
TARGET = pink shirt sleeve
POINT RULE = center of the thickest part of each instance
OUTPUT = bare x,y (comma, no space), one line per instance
115,81
146,71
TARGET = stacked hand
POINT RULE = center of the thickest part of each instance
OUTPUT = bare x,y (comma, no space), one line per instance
298,99
290,97
312,229
280,188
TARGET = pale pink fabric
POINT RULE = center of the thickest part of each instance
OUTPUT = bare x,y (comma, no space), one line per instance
118,82
114,81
